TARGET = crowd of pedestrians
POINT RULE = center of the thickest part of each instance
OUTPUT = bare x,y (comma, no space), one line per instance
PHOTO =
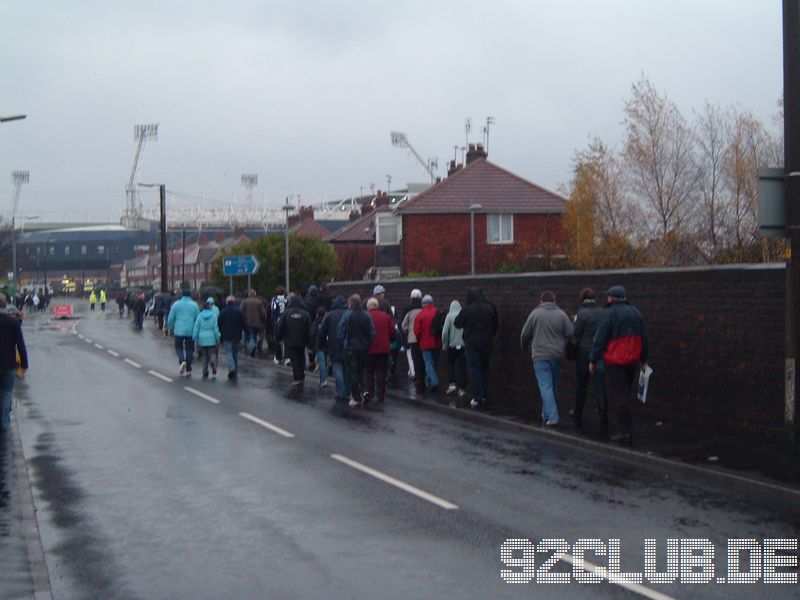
357,342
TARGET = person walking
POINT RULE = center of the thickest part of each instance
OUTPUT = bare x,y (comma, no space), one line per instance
329,342
121,304
206,335
417,365
355,334
314,346
430,344
621,342
180,321
480,323
256,314
103,299
232,325
453,340
293,330
545,335
277,306
92,300
138,308
12,343
589,315
378,354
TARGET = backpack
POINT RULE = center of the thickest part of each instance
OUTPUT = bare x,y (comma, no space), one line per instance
437,325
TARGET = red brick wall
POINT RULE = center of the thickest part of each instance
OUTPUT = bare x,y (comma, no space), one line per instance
354,259
442,243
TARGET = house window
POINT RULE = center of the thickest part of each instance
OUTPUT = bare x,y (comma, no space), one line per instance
53,250
388,230
101,249
500,229
83,250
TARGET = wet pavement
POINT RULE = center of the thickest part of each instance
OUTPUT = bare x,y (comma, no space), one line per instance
147,489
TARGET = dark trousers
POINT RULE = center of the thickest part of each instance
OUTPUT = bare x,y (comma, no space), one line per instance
619,380
582,388
376,366
297,354
457,367
139,319
478,365
184,348
354,371
419,366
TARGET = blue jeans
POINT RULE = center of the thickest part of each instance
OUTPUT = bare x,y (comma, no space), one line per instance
431,358
184,348
342,389
231,350
547,372
8,377
253,333
478,365
322,362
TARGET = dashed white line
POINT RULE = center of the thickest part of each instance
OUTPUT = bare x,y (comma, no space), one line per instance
133,363
112,353
201,394
160,376
87,340
267,425
406,487
80,336
636,588
99,347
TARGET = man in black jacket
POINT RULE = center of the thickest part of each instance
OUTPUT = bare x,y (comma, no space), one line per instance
11,343
355,333
293,329
232,324
479,321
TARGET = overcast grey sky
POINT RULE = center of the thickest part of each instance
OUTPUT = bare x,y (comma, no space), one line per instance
305,93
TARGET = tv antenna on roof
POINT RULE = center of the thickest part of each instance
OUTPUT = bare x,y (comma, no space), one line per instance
489,123
401,141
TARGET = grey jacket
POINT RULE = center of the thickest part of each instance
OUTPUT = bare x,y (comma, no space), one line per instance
546,331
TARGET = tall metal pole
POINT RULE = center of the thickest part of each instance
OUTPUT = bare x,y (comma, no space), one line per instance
164,273
18,177
287,208
183,257
791,120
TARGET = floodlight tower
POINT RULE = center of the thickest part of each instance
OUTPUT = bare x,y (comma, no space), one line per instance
18,177
249,181
133,206
401,141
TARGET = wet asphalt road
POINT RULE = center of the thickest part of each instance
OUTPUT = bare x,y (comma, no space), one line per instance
145,489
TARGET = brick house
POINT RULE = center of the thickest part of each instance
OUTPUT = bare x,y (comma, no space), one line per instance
517,224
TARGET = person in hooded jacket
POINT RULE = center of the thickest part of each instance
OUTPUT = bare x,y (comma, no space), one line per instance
180,321
293,330
311,301
479,321
206,335
586,322
314,346
328,342
232,324
355,332
453,340
417,370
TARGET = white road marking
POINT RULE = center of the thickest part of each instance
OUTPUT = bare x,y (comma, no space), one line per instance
87,340
269,426
133,363
636,588
112,353
99,347
201,394
80,335
395,482
160,376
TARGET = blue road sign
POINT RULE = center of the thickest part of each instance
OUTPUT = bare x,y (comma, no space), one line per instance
240,265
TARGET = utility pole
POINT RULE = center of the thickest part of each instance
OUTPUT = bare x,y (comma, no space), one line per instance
791,124
288,209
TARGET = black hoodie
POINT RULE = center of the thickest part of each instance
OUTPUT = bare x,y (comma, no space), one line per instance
329,327
479,321
295,324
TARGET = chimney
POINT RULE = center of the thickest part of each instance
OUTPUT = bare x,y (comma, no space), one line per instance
382,199
368,207
306,213
475,152
354,215
453,168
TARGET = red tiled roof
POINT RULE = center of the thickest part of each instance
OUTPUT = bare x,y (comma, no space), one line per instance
311,228
360,230
495,189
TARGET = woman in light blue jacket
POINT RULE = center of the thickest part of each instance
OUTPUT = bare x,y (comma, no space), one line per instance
206,335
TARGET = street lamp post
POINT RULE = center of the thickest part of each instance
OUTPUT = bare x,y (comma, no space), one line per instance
12,118
288,208
162,190
472,208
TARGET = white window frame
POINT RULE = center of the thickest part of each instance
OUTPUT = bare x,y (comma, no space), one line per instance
392,219
505,225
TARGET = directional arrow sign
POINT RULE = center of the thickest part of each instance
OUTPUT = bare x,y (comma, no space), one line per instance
240,265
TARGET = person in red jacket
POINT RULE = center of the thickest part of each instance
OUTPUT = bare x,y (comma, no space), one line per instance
429,343
378,355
